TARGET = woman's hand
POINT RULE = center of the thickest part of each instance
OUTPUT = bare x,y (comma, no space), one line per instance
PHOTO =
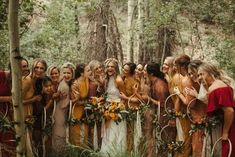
176,90
191,91
225,136
123,96
37,98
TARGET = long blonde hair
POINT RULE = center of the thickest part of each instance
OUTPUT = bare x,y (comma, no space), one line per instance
215,72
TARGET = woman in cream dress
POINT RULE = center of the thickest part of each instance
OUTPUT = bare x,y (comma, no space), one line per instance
114,135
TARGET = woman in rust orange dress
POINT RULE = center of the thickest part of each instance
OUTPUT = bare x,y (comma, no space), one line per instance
158,94
79,96
198,110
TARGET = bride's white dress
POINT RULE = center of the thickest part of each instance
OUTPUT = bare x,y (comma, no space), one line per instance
114,135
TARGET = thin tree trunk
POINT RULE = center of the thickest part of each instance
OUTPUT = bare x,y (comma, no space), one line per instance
130,51
16,77
140,43
77,27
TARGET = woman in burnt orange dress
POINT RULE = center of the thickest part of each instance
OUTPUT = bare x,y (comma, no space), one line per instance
7,146
158,94
79,96
198,110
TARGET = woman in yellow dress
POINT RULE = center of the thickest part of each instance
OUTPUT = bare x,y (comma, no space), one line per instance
79,96
132,104
182,81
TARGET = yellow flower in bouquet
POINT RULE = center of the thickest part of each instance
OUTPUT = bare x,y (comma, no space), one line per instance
114,111
170,146
113,116
122,106
94,109
97,100
178,114
94,100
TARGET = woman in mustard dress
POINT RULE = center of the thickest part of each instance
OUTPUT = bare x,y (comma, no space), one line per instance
132,104
79,94
182,81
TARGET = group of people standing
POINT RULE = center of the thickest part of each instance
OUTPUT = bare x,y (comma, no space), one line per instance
184,100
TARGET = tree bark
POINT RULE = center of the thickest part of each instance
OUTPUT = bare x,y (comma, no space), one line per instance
16,77
141,54
77,26
130,51
101,30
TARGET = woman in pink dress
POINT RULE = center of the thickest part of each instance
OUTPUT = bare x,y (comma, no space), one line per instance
220,101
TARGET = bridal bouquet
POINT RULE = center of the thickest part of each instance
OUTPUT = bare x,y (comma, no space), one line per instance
115,111
94,110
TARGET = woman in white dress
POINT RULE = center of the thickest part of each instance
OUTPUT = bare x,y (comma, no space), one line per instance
114,135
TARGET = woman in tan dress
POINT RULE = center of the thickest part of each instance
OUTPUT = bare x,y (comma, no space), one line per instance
59,134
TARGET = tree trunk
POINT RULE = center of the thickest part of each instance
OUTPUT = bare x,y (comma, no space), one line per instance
130,51
101,30
141,54
77,27
16,77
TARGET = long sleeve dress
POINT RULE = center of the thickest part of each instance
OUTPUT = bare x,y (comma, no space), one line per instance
79,132
60,117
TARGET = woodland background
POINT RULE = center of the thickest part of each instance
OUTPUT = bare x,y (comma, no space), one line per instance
135,30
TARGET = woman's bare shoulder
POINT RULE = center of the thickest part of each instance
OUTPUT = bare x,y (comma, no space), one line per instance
216,84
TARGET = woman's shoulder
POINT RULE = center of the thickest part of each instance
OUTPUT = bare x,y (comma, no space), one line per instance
119,79
217,84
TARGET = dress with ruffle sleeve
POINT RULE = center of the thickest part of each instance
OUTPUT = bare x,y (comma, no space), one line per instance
217,99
